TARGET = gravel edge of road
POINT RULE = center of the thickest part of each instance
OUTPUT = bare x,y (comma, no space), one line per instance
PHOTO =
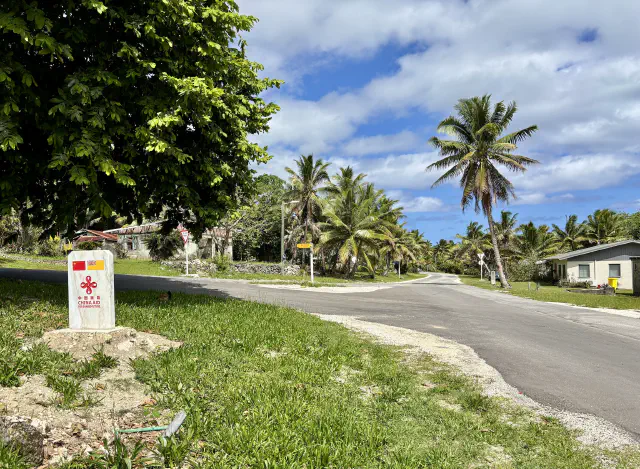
593,430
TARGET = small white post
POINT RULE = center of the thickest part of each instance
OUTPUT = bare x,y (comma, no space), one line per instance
186,253
311,262
398,269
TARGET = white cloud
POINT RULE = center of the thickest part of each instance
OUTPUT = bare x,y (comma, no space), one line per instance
377,144
579,172
583,96
535,198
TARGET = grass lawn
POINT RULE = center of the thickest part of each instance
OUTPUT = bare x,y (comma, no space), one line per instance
271,387
622,300
121,266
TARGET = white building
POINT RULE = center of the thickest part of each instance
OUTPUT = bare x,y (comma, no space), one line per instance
133,239
598,263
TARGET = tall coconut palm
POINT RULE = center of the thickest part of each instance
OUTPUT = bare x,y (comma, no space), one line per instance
306,182
474,241
476,153
442,250
354,230
604,226
572,235
506,228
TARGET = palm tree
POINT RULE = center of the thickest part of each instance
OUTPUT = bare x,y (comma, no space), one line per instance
475,153
399,244
474,241
572,235
506,228
442,250
305,183
604,226
353,226
533,242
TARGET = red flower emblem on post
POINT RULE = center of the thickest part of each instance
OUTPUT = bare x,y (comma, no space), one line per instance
88,285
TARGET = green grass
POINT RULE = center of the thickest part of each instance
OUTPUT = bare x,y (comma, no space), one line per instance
321,279
270,387
121,266
622,300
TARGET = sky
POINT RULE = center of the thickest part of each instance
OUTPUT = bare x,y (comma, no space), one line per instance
367,82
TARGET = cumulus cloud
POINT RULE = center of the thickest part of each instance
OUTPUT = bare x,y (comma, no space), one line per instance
574,71
377,144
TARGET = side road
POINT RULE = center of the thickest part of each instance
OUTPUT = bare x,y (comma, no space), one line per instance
573,359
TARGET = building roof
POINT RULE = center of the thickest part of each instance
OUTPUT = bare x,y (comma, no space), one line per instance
599,247
136,229
94,235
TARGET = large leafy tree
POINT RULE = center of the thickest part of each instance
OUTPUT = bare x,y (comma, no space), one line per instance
476,154
572,235
131,107
311,175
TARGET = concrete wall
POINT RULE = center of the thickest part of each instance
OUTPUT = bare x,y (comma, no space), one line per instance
599,271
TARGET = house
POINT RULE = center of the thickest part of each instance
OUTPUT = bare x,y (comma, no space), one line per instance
94,236
132,238
598,263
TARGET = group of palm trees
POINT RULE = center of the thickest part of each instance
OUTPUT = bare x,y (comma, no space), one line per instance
358,225
524,245
351,223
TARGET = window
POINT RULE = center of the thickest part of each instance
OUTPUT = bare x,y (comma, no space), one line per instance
614,270
584,271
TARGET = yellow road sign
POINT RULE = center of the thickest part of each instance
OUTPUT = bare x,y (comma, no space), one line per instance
303,246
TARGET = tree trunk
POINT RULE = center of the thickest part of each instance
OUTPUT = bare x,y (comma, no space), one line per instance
496,251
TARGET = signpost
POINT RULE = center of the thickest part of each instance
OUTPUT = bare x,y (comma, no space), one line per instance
184,234
91,299
481,256
310,247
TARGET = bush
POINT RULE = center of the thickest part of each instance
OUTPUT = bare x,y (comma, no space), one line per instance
88,245
572,283
526,270
50,247
120,251
222,262
163,247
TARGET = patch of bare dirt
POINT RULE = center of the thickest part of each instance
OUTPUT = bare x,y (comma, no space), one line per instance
120,400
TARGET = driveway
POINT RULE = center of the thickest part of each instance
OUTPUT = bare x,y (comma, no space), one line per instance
570,358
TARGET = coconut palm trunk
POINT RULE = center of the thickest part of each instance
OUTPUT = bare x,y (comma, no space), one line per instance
496,250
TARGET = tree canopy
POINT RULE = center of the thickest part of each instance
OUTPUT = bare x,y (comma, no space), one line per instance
137,108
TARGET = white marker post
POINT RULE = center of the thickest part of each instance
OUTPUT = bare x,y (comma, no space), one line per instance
184,234
91,291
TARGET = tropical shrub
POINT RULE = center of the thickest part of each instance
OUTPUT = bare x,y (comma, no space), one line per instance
162,246
222,262
88,245
49,247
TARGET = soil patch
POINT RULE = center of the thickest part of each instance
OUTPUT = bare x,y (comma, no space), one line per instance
118,400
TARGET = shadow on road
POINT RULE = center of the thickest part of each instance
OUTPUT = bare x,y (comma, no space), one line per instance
122,282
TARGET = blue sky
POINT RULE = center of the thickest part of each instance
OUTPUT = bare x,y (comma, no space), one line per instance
367,81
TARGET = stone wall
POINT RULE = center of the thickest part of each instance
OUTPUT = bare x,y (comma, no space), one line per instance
201,267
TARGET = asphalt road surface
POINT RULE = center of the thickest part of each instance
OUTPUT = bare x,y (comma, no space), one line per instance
570,358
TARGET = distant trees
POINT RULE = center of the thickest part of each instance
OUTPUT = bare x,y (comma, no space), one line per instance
476,154
525,245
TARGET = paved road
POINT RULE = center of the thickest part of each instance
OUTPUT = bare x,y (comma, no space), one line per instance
570,358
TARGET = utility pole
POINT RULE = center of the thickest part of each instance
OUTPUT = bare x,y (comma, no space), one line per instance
282,233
